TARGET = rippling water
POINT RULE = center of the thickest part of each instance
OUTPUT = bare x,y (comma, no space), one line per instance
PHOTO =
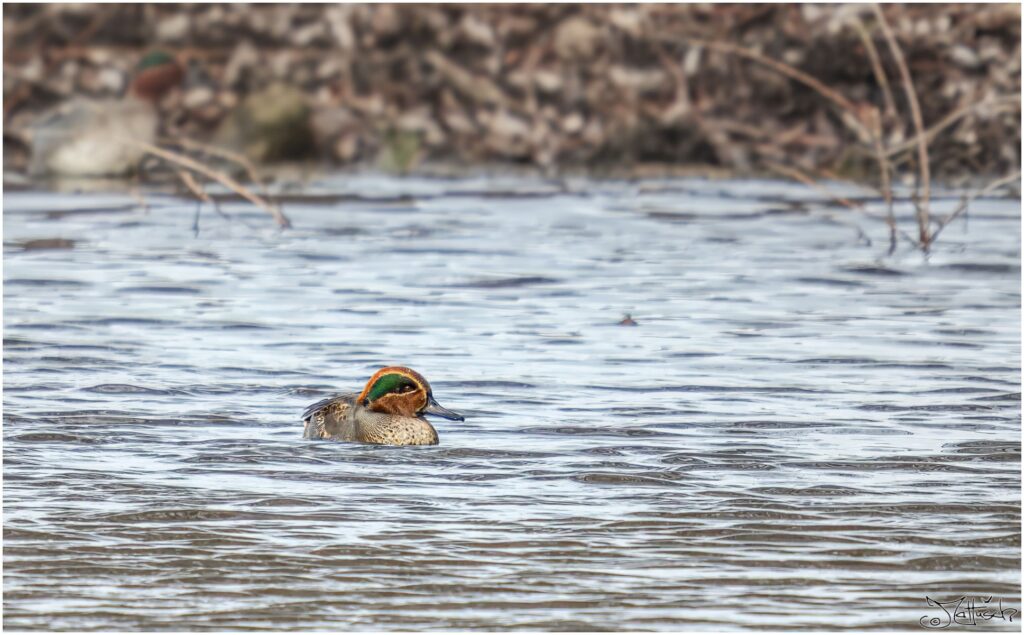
799,433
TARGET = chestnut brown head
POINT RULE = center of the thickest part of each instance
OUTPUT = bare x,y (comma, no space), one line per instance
156,74
402,391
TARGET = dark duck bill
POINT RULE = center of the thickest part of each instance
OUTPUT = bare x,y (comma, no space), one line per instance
434,408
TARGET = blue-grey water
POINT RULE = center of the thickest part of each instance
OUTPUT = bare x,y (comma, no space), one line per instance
800,432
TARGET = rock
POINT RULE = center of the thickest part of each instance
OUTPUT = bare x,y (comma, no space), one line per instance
577,38
310,34
111,80
507,135
476,31
101,81
385,21
346,148
548,82
454,116
270,125
573,123
478,88
964,57
630,21
339,23
197,97
638,80
421,120
174,28
240,65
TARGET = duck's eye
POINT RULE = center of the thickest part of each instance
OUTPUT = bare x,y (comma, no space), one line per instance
405,389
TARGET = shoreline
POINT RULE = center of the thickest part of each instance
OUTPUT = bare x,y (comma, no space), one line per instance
599,89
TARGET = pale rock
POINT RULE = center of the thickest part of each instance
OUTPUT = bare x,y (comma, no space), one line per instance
173,28
32,71
328,122
111,80
309,34
573,123
593,132
244,57
638,80
228,99
630,21
475,30
328,67
548,82
422,120
346,148
577,38
339,23
519,79
385,20
691,61
507,134
964,57
198,97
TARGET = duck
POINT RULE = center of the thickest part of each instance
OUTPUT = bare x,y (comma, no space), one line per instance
80,138
389,411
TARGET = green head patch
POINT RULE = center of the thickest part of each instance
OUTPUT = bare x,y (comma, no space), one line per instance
154,59
392,382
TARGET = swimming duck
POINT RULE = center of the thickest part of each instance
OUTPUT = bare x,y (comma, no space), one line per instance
80,137
389,411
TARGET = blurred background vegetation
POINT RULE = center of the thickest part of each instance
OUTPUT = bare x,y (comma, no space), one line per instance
596,87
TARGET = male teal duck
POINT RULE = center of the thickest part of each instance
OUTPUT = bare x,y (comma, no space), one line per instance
82,137
389,411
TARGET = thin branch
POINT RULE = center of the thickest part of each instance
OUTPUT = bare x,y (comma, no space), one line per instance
800,177
224,153
196,189
220,177
200,192
876,66
915,114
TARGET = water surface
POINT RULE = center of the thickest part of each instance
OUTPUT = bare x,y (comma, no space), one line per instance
800,432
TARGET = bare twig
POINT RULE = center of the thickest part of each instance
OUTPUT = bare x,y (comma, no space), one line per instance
801,177
915,114
224,153
797,175
876,67
196,189
807,180
220,177
200,192
991,187
877,128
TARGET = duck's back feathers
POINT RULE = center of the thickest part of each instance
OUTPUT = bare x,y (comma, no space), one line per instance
329,417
